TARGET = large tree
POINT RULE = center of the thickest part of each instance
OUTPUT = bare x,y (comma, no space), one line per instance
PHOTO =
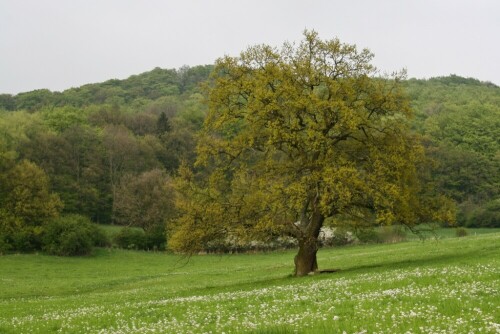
294,136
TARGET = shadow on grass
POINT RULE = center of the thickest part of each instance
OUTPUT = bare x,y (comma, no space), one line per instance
463,257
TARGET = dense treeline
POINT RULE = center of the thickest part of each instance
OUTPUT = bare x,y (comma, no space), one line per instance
460,121
108,151
135,91
103,151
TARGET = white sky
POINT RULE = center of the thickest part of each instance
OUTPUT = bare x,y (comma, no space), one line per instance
58,44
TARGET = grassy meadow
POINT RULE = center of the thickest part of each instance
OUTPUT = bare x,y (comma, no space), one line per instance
443,285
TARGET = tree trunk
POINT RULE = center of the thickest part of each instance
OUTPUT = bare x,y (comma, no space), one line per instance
305,260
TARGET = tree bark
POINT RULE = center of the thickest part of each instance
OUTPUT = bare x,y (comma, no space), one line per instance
305,260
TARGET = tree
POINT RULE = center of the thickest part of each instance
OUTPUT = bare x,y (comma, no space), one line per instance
296,135
144,201
7,102
125,153
163,124
25,204
27,194
63,118
34,100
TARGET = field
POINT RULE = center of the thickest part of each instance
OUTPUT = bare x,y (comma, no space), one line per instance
450,285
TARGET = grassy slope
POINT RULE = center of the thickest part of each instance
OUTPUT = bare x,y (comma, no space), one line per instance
129,292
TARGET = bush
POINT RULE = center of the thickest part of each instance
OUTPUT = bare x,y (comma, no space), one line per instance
392,234
338,236
15,236
101,238
368,236
385,234
135,238
481,215
4,244
486,216
129,238
156,238
26,239
71,235
461,232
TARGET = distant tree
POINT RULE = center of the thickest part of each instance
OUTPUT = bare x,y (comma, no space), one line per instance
25,204
105,115
170,105
62,118
473,127
163,124
177,146
294,136
7,102
120,151
463,174
141,123
27,195
125,154
193,113
9,139
34,100
190,77
144,200
487,215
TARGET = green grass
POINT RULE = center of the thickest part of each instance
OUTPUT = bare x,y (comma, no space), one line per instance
442,233
449,285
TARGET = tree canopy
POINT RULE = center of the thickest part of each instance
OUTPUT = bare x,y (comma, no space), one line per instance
459,119
294,136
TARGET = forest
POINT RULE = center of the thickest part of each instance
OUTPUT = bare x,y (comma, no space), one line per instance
109,153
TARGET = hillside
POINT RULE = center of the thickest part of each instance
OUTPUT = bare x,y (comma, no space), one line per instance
102,145
460,121
137,89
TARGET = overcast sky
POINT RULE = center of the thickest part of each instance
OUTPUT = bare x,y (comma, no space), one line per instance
58,44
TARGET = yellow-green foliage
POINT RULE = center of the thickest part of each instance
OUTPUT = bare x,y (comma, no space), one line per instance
27,194
25,204
295,135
